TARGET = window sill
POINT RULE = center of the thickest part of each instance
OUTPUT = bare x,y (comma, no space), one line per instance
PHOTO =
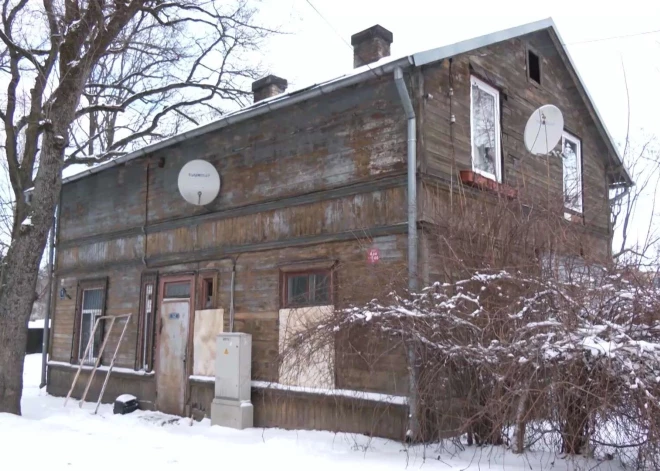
307,306
473,179
102,368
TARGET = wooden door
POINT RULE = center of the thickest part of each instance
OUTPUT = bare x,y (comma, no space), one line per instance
174,319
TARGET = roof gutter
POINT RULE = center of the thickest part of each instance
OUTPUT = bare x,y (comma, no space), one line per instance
256,110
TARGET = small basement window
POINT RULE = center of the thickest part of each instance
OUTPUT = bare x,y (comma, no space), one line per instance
533,66
307,289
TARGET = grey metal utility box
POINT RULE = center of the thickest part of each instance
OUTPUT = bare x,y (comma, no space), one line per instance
233,380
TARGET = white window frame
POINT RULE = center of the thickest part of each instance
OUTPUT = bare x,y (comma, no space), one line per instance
89,312
567,136
483,86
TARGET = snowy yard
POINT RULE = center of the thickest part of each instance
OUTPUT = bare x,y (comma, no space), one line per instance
51,437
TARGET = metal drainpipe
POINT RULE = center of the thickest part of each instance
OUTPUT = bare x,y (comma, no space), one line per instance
49,294
231,295
412,235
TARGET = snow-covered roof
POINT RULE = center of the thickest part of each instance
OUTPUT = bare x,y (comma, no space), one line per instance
382,67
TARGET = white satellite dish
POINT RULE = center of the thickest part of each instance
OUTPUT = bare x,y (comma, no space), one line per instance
199,182
544,130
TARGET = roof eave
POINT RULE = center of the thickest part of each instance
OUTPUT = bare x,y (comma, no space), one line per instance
251,112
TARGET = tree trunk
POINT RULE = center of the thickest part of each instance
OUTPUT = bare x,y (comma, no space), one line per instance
13,338
17,294
20,270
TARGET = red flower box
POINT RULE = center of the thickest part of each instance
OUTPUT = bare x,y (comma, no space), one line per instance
471,178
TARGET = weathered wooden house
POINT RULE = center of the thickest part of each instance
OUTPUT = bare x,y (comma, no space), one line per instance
324,201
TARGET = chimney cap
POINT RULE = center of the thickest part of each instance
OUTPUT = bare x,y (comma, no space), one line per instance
376,31
269,80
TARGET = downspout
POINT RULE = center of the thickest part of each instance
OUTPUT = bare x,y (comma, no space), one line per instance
49,293
413,428
231,295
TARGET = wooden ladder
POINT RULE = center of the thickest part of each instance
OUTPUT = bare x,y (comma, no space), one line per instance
98,358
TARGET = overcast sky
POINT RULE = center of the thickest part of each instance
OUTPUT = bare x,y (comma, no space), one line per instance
313,51
603,38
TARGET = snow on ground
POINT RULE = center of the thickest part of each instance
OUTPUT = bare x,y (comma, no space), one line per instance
51,437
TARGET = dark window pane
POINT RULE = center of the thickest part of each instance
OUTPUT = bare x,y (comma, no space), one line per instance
98,339
321,288
308,289
177,290
208,293
298,289
85,331
92,299
534,67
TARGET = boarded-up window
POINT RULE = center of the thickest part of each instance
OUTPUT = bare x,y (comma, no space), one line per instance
485,130
90,306
306,365
572,165
146,322
208,325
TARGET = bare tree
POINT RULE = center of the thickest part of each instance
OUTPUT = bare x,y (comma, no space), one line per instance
88,80
643,163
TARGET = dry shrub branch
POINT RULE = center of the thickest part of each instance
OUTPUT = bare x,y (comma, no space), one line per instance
525,340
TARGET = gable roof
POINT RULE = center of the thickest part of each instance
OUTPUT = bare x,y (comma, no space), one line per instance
619,175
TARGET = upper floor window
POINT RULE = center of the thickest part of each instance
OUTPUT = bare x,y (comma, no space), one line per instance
485,129
533,66
307,289
572,165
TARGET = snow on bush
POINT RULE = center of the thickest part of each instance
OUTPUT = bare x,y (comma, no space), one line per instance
519,360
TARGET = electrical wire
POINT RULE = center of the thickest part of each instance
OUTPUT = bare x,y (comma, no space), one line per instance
587,41
612,37
340,36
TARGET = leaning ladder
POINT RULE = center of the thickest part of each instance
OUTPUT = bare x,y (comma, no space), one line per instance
98,359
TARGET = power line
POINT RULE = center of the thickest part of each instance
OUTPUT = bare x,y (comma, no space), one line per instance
340,36
613,37
328,23
587,41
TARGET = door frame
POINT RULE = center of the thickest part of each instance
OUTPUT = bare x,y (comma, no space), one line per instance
173,278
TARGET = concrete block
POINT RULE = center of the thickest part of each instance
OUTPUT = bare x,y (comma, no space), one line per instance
233,414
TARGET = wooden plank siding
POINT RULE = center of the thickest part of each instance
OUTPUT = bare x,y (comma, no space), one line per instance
348,136
257,302
503,66
350,214
323,180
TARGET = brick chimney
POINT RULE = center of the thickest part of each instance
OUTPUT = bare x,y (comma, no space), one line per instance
371,45
267,87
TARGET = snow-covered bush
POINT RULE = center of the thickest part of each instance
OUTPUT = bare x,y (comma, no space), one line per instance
513,359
